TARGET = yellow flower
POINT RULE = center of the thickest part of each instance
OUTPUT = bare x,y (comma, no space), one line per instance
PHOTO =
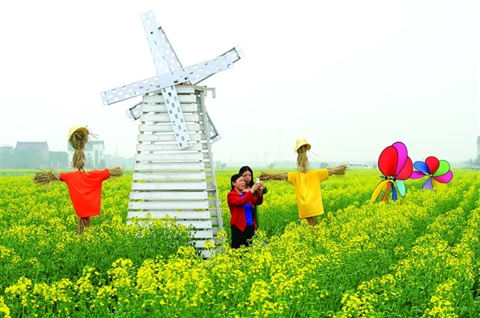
4,308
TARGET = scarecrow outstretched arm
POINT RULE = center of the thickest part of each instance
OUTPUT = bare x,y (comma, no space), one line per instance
265,176
115,172
45,177
339,170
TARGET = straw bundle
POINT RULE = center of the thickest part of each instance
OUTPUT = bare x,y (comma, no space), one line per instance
265,176
45,177
302,159
78,140
79,159
340,170
115,172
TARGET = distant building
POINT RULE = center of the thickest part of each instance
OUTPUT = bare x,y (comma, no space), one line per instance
6,149
41,146
478,147
94,152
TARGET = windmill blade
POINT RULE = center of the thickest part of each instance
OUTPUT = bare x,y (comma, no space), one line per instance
155,43
176,117
174,63
234,54
149,85
170,54
160,55
170,72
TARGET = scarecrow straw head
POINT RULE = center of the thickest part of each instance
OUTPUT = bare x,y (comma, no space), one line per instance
78,136
301,147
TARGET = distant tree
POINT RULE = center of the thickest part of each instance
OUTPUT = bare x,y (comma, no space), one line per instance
58,159
271,165
323,165
102,164
6,160
477,161
27,159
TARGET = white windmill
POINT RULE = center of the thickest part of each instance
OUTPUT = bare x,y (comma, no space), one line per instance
174,171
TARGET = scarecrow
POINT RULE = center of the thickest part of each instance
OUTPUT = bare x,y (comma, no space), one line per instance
307,182
85,188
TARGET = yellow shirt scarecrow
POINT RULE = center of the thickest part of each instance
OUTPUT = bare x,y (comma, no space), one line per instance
308,191
307,182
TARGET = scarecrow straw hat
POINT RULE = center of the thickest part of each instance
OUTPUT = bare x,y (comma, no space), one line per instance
300,142
78,136
72,130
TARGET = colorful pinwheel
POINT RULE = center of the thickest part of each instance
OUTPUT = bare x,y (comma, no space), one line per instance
437,171
396,166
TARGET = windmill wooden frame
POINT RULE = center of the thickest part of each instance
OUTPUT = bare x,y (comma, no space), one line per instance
174,173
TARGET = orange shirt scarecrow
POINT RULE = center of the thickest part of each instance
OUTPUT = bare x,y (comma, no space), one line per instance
85,190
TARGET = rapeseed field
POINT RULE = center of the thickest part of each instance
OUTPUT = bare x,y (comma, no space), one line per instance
416,257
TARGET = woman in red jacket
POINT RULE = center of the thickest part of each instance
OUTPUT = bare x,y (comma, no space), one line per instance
242,222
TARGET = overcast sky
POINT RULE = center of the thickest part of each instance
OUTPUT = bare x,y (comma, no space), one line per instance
353,77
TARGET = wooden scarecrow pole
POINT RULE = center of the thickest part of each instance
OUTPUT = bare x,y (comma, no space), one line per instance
85,188
307,182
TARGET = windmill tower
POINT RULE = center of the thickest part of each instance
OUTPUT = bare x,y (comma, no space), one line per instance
174,173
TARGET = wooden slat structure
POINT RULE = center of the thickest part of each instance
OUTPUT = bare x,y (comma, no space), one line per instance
179,183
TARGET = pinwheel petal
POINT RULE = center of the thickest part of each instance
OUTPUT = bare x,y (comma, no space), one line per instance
428,184
400,185
438,185
394,193
402,155
433,163
387,188
421,166
447,177
417,175
443,168
378,189
387,162
406,170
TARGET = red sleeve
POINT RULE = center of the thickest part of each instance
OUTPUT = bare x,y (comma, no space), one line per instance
233,198
99,175
64,176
